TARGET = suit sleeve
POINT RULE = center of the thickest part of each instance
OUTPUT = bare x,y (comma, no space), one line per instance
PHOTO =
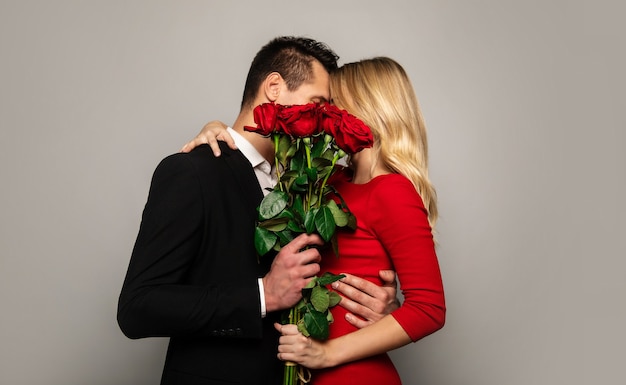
157,298
401,223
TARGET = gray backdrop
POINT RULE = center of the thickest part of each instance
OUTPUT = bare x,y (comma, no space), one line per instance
524,101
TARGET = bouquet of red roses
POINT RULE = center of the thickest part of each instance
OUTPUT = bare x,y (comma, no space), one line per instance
308,141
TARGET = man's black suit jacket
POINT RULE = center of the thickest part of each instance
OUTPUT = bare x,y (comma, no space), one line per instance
193,273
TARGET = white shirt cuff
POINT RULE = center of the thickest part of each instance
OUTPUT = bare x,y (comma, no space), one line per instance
262,297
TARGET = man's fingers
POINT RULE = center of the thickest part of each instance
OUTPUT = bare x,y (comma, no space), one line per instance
310,256
364,298
352,292
309,270
356,306
348,304
388,277
361,284
303,240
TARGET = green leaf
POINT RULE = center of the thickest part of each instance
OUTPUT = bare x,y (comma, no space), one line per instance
309,221
286,213
316,324
340,217
318,147
298,208
333,298
292,150
320,162
284,147
264,240
301,305
311,174
285,236
328,278
300,184
328,154
295,227
275,224
298,161
351,221
273,204
320,299
284,142
329,317
325,223
328,170
288,176
286,180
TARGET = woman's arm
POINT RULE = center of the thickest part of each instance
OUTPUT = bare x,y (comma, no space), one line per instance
401,224
377,338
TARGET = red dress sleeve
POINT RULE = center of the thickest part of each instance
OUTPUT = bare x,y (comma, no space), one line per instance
400,221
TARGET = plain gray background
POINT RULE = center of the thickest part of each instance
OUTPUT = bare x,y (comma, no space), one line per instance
524,102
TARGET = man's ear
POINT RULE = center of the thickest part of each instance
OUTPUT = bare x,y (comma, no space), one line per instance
272,85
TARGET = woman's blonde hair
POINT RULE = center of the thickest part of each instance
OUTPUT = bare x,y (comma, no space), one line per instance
379,92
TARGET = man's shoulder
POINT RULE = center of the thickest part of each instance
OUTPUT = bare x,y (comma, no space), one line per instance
203,155
202,163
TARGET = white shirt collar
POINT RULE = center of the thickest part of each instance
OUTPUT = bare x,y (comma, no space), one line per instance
265,173
248,150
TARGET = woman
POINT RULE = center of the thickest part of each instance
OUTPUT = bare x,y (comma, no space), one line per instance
387,188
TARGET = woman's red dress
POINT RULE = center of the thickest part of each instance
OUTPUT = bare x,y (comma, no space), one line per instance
392,232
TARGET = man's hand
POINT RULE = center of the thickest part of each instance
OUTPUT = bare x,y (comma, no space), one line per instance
210,134
291,270
367,302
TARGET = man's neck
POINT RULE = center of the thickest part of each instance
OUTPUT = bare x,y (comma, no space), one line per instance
263,145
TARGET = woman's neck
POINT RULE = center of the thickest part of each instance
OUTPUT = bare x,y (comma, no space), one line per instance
362,163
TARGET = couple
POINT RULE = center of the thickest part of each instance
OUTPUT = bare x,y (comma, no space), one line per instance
194,275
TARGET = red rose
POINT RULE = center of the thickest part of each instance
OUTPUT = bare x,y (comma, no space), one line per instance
350,133
299,121
265,116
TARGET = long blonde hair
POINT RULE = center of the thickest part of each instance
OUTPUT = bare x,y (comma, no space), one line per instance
379,92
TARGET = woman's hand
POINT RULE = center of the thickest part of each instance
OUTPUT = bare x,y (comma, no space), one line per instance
294,347
210,134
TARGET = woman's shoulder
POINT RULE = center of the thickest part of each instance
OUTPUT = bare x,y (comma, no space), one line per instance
394,189
391,181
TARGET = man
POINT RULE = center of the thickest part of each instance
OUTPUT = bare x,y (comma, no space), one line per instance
194,275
